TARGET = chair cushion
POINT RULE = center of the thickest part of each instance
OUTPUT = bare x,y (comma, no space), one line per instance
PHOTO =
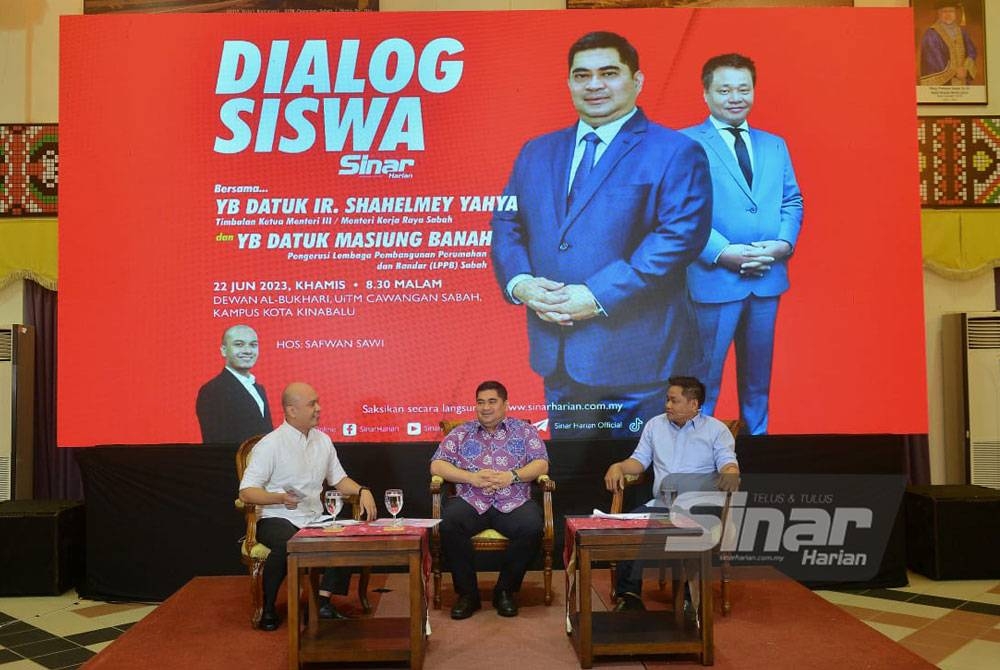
489,534
258,552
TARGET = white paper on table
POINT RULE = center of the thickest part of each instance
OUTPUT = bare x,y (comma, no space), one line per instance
632,515
325,520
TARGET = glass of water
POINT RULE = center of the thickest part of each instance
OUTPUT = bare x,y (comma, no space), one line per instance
394,503
334,502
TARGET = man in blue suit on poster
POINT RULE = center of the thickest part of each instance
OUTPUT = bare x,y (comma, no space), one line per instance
610,212
757,212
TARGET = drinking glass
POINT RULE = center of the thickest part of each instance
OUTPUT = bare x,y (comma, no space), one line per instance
394,503
334,502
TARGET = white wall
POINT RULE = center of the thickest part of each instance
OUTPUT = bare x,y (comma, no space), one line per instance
12,304
29,59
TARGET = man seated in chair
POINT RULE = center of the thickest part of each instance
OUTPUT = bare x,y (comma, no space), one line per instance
492,462
686,448
285,478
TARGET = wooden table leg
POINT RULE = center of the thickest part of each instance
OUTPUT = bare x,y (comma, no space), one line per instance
677,587
707,641
417,611
293,612
586,618
312,601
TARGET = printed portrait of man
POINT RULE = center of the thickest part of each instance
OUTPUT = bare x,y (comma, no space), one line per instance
232,406
948,55
611,210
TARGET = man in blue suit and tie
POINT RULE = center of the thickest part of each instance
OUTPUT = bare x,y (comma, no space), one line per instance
757,212
610,213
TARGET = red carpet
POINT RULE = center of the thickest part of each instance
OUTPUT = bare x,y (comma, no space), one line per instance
775,624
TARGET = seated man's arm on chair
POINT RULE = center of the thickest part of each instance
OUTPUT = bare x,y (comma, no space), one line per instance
635,464
349,487
726,463
614,478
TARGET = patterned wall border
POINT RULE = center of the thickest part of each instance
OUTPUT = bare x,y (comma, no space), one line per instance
959,161
29,170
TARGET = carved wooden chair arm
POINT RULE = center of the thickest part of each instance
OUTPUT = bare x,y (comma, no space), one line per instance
618,496
249,512
437,483
547,485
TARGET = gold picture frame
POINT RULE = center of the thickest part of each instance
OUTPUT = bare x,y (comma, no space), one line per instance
950,39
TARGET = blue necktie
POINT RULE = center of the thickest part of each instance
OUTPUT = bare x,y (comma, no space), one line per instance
584,168
742,155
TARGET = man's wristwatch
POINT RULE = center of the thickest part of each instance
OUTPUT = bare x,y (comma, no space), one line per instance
516,479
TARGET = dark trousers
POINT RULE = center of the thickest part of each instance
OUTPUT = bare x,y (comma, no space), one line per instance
522,526
629,573
639,404
275,533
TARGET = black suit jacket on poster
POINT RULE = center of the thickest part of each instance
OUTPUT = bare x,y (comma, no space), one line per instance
227,413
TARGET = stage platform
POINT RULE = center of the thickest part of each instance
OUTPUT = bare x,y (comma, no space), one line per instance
776,624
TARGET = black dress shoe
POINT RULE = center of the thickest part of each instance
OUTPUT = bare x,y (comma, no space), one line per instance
328,611
269,620
505,603
629,603
465,607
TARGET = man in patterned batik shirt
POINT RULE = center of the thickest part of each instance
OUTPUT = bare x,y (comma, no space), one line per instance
492,462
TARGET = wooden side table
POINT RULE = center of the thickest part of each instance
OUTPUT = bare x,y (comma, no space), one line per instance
357,640
632,632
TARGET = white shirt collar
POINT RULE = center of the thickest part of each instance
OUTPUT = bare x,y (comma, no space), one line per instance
607,132
719,125
247,380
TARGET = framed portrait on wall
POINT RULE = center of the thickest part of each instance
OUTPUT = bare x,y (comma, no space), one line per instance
697,4
950,38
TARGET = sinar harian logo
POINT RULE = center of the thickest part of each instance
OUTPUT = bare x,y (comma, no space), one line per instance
812,527
366,166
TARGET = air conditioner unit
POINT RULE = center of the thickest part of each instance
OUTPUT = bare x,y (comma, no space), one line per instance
980,390
17,405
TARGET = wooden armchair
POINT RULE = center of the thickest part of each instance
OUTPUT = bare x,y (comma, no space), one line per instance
253,553
617,501
490,540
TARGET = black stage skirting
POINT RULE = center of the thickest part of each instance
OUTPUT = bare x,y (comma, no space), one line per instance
159,515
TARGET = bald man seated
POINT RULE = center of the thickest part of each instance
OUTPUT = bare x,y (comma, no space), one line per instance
285,478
